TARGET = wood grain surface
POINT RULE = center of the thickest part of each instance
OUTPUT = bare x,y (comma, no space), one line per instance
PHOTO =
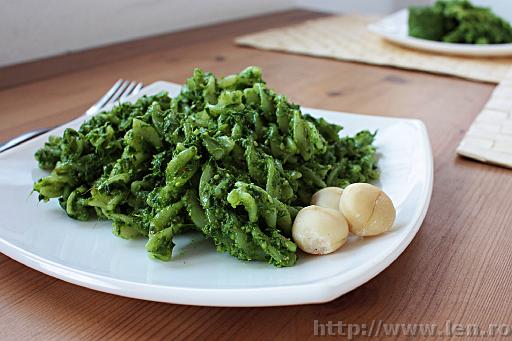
456,269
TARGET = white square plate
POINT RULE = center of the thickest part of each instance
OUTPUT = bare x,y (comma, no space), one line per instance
395,29
42,237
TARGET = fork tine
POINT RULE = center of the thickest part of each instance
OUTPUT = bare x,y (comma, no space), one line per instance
103,100
120,89
128,89
137,88
118,93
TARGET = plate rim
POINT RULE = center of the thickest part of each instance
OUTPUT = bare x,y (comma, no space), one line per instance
319,291
489,50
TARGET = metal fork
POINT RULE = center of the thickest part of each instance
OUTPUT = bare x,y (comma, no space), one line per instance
121,89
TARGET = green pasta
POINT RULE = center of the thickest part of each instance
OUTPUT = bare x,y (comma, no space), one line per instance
227,157
458,21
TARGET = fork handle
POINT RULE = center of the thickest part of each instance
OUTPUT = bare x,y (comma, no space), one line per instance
22,138
119,90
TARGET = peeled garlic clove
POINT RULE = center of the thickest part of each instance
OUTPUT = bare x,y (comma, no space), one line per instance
328,197
356,203
383,216
318,230
368,210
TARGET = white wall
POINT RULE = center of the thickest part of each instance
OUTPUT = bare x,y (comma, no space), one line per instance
502,7
31,29
356,6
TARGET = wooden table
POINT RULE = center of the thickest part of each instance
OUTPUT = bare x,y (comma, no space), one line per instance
457,268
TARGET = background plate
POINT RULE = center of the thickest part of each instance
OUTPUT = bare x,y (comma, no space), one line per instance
395,29
41,236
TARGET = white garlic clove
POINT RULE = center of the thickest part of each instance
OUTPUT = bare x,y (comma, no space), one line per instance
383,216
328,197
319,230
368,210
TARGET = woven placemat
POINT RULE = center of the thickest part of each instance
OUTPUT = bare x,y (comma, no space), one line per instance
347,38
489,139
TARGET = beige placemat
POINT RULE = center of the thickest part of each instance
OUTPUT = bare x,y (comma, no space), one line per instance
489,139
347,38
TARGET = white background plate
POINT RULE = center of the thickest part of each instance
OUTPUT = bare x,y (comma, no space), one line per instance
41,236
395,29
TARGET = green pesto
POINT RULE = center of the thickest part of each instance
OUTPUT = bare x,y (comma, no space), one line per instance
458,21
227,157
